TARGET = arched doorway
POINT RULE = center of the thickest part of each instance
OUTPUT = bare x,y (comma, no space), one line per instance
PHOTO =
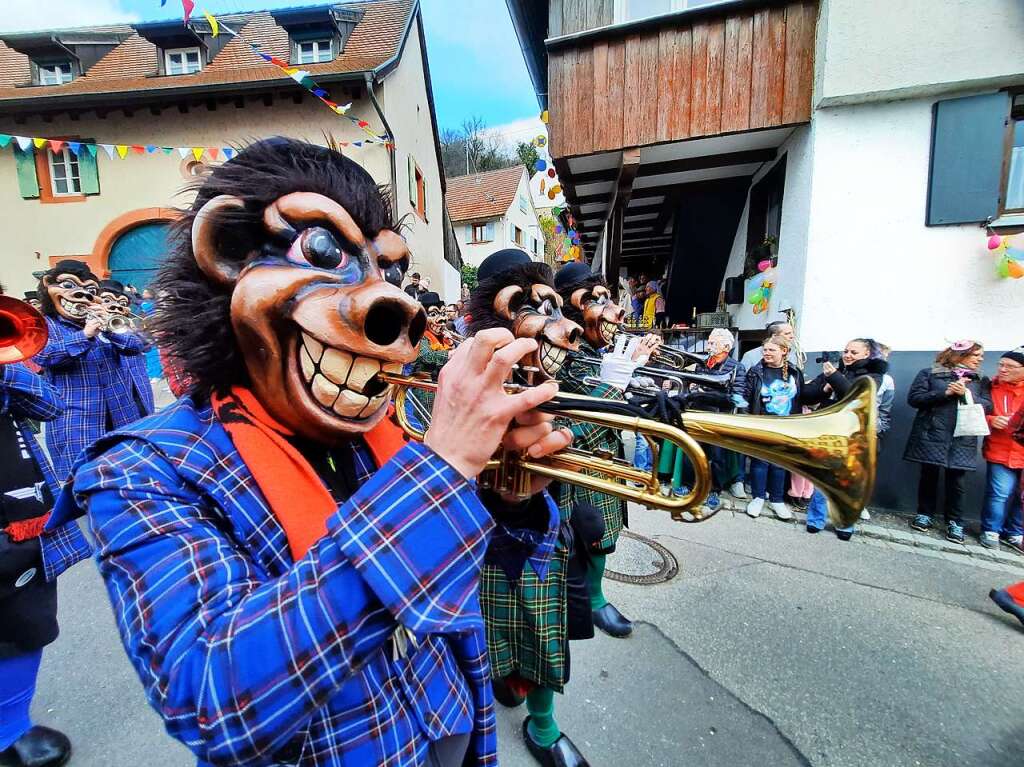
132,246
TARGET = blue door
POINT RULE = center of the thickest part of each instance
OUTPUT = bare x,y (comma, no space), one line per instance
137,254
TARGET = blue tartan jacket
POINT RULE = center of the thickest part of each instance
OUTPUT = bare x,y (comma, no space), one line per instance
25,396
360,653
96,388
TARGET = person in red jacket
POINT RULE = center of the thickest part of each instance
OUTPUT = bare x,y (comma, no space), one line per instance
1001,512
1011,599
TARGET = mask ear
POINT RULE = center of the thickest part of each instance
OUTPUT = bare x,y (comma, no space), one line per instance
204,245
576,299
503,301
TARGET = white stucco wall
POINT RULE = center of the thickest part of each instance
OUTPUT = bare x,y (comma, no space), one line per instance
155,180
788,276
883,49
873,267
474,253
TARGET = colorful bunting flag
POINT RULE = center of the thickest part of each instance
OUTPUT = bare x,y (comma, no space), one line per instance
39,142
184,151
187,6
56,145
197,152
4,140
23,142
122,150
74,146
109,149
213,23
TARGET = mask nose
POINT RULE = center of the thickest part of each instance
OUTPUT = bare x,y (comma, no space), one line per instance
391,321
620,315
563,332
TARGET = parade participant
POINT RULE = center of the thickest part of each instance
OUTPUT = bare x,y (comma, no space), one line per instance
133,366
588,302
293,582
1011,598
525,612
30,561
32,299
83,363
433,350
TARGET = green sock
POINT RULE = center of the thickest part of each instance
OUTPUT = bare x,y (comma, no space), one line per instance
540,702
595,573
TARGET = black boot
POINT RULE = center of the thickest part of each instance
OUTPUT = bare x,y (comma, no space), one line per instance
561,753
612,622
39,747
505,695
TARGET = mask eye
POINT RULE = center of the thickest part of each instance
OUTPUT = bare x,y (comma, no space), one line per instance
318,247
68,285
547,307
393,273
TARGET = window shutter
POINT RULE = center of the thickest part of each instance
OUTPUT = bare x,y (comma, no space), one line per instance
412,182
88,172
469,232
489,230
425,211
968,135
28,181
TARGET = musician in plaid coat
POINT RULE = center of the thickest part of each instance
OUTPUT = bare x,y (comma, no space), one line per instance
293,582
84,365
133,366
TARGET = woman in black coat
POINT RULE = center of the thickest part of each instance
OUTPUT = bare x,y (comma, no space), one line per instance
935,394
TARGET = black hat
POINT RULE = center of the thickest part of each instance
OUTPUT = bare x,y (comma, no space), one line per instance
571,273
113,286
501,261
31,295
429,299
1017,355
73,266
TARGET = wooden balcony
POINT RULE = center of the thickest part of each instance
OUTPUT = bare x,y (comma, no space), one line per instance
745,67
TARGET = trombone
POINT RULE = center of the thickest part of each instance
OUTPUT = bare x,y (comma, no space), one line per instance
835,448
23,331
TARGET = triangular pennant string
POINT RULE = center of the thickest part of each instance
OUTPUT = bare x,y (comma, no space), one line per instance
197,152
39,142
75,146
56,146
4,140
23,142
212,151
122,150
228,152
109,149
91,149
184,151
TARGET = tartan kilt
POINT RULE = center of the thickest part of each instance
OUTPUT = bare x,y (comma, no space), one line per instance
526,623
613,512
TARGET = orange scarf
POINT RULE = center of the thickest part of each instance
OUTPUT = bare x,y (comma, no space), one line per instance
282,474
436,344
717,359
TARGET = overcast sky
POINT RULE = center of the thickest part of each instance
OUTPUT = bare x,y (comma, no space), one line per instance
475,62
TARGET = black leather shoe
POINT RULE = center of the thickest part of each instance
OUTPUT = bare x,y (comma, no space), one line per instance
1005,602
561,753
612,622
504,694
844,535
39,747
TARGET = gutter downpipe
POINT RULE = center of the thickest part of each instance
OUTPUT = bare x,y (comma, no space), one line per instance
391,151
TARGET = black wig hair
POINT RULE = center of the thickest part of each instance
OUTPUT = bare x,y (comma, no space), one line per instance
481,300
192,322
570,311
79,269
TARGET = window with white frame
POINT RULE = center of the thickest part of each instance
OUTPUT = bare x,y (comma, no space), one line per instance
64,174
632,10
517,235
56,73
1013,196
523,203
182,61
313,51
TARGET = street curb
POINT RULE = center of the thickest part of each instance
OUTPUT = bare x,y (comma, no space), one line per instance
906,538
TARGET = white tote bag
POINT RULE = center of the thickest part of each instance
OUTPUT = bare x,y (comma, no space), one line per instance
970,419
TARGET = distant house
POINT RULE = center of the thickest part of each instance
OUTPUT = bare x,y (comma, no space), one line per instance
494,210
168,84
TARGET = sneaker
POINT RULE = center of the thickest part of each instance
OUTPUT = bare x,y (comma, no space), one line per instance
865,515
921,522
713,502
989,540
679,492
665,489
954,532
781,510
737,491
754,507
1015,541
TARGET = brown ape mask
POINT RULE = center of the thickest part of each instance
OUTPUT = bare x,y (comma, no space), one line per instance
68,290
588,302
293,240
113,299
521,298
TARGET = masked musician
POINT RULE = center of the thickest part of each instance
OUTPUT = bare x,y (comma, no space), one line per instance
117,303
293,582
597,517
432,353
30,561
83,362
525,609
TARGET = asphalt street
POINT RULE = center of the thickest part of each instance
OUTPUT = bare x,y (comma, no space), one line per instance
770,647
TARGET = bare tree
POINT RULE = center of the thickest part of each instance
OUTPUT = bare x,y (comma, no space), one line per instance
472,148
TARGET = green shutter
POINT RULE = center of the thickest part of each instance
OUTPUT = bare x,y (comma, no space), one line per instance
88,174
968,136
28,182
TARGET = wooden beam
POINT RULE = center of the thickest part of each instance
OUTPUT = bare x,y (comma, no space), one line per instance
683,165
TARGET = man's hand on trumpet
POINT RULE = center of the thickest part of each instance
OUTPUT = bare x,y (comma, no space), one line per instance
473,413
95,320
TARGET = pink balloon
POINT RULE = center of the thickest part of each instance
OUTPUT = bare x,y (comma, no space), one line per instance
762,266
994,241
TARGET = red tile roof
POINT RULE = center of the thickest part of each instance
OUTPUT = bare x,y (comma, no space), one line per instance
483,195
132,65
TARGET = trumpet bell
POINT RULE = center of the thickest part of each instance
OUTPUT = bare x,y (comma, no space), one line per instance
23,331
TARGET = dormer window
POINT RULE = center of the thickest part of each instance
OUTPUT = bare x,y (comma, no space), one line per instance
56,73
182,61
314,51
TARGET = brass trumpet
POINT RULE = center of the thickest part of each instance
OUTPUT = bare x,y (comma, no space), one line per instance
835,448
668,356
23,331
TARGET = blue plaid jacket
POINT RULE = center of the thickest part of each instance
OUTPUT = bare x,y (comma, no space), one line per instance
253,658
134,366
88,375
23,396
